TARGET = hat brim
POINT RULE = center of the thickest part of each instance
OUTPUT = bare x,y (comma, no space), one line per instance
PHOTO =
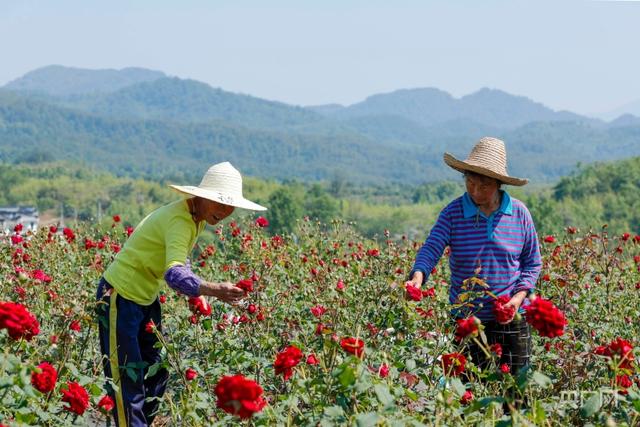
225,199
462,166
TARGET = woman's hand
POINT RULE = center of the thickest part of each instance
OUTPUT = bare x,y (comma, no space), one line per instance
225,292
416,279
515,302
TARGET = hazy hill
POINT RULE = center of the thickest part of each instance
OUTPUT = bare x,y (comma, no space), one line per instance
431,106
191,101
33,131
61,81
170,126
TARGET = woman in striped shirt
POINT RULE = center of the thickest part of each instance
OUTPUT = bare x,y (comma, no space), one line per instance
493,240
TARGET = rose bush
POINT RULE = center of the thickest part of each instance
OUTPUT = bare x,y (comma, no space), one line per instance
331,313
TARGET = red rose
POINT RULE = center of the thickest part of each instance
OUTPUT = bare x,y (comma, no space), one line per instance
77,398
504,368
373,252
116,218
190,374
466,398
340,285
503,314
546,318
129,231
246,285
53,229
106,404
549,239
621,350
44,377
318,310
17,320
352,345
239,396
17,228
453,363
312,360
162,299
41,276
623,381
16,239
413,292
149,327
199,306
286,360
262,222
467,327
383,371
69,234
75,326
496,349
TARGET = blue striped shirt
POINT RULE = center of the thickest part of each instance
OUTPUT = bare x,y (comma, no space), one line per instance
502,249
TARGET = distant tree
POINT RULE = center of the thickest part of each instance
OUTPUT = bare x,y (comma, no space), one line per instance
319,205
284,209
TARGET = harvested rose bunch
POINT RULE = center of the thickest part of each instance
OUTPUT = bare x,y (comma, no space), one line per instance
546,318
199,305
503,312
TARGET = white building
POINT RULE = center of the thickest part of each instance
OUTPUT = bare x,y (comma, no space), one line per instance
12,215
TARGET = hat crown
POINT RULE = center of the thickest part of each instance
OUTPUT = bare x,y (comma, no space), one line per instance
223,178
489,153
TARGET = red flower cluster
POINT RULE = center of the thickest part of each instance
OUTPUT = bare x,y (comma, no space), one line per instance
453,363
467,327
503,314
621,350
239,396
199,306
246,285
262,222
413,292
190,374
286,360
69,235
106,404
318,310
353,346
44,378
77,398
546,318
17,320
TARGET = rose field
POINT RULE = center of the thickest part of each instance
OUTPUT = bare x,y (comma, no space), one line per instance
328,334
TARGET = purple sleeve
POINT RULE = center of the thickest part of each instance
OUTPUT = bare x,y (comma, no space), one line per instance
530,258
432,249
180,278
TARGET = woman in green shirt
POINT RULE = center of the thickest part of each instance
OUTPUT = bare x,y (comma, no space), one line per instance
156,253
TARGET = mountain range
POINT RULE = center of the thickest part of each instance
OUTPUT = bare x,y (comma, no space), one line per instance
142,122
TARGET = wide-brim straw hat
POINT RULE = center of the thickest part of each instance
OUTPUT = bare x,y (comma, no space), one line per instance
222,183
489,158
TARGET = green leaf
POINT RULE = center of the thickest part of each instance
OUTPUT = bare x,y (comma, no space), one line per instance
347,377
334,411
153,369
410,365
457,386
591,406
411,394
383,394
207,324
541,379
368,419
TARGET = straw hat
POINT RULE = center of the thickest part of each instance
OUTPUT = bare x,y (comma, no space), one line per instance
222,183
489,158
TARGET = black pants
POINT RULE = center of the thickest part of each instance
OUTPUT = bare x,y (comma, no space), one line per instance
515,339
132,351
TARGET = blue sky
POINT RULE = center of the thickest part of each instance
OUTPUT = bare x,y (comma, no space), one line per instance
577,55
